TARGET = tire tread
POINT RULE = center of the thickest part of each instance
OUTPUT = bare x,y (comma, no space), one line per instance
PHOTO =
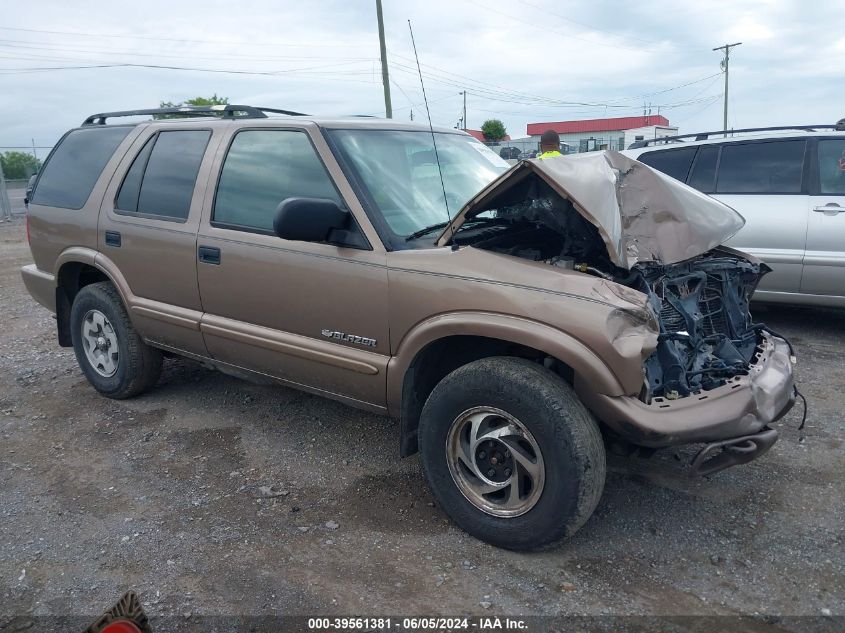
575,431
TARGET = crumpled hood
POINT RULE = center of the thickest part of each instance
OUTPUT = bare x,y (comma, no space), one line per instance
641,214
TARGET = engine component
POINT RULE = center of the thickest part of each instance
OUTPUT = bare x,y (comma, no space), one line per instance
706,333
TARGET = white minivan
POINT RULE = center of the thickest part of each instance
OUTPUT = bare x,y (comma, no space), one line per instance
788,184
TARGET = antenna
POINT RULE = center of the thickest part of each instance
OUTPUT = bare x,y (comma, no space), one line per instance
430,126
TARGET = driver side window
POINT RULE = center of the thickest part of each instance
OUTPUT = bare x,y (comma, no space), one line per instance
262,168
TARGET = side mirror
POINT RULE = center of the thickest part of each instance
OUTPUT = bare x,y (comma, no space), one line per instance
317,220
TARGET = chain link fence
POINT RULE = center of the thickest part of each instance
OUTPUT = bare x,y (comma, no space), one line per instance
21,162
5,202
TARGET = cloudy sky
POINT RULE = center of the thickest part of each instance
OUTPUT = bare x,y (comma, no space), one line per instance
518,60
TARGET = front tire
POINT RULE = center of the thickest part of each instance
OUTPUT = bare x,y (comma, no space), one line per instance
109,351
511,454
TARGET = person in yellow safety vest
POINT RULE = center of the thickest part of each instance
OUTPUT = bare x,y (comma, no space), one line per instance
549,145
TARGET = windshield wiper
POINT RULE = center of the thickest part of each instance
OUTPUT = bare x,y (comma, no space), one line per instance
442,225
426,230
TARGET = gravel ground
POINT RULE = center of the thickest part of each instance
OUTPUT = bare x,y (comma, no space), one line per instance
214,496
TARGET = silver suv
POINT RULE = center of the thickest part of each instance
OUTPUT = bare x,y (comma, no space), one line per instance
789,185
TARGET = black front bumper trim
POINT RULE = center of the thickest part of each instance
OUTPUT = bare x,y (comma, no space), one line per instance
720,455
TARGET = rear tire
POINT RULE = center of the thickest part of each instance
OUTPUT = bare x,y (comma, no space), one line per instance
109,351
534,433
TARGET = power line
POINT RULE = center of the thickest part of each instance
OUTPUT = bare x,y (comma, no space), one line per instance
276,73
30,45
697,112
461,79
477,88
174,39
315,70
516,98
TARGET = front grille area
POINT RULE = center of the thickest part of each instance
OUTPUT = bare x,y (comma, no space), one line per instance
671,319
710,306
712,309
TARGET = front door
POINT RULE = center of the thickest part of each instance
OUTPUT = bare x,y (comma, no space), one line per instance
311,314
824,262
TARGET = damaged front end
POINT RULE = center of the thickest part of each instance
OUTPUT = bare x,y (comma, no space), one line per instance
710,374
706,332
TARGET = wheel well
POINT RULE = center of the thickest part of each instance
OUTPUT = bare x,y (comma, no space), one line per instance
441,357
72,278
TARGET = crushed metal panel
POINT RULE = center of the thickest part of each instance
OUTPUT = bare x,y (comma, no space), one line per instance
641,214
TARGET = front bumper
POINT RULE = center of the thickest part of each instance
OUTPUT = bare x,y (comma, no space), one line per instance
742,407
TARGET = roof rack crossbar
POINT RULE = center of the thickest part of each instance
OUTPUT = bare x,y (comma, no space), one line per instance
703,136
223,111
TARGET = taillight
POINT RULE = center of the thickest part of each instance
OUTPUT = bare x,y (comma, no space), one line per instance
27,228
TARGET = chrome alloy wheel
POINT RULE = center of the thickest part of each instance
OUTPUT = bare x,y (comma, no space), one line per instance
495,461
100,343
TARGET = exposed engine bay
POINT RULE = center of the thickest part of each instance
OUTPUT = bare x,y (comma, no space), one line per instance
706,333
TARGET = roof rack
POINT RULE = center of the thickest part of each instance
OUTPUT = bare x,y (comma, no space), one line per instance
703,136
221,111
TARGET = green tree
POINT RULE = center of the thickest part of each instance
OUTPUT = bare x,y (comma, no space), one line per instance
493,130
196,101
19,165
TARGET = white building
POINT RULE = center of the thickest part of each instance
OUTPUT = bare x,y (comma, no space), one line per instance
592,134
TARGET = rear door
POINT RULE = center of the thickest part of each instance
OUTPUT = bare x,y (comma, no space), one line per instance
148,227
824,262
766,182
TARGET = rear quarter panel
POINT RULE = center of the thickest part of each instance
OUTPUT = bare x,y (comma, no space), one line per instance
52,230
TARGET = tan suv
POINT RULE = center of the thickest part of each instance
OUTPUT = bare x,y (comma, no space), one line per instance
513,320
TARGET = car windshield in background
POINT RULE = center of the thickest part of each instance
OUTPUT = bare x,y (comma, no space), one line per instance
399,171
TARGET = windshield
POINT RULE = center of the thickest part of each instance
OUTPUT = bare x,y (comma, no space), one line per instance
399,171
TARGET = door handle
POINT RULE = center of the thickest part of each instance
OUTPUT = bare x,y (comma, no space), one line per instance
208,254
113,239
831,208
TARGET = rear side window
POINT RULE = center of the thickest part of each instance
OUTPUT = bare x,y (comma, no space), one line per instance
672,162
160,183
832,166
262,168
127,198
75,166
703,175
771,167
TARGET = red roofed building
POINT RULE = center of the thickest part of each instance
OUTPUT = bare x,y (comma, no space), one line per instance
614,133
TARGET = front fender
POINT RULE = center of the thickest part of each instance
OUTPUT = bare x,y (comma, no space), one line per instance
588,367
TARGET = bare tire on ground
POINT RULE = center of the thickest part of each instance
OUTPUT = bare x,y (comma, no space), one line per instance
511,454
109,351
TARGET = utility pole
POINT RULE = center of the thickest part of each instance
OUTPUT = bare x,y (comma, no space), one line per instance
464,118
725,65
388,109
